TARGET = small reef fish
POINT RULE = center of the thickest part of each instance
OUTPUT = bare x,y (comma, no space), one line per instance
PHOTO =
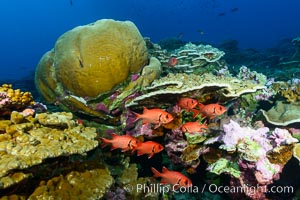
149,147
221,14
187,103
201,32
172,177
172,62
194,127
123,142
211,110
234,9
155,116
180,35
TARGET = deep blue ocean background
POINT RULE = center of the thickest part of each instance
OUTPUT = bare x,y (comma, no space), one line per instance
30,28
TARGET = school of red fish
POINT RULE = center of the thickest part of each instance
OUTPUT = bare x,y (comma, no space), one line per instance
158,117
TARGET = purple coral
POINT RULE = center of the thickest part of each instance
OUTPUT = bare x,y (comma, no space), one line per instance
117,194
176,145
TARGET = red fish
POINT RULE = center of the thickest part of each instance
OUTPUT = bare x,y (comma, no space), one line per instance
155,116
172,62
172,177
123,142
149,148
187,103
194,127
212,110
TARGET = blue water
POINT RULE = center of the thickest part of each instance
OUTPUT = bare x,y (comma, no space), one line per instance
30,28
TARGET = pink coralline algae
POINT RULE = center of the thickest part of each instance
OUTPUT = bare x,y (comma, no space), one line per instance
282,137
252,147
4,100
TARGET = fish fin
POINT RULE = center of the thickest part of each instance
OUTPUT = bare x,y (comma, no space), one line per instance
124,150
195,112
157,125
163,181
155,172
164,169
105,142
145,110
139,153
137,115
113,135
201,106
113,148
150,155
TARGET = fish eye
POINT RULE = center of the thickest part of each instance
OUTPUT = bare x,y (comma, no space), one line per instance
167,116
221,108
186,182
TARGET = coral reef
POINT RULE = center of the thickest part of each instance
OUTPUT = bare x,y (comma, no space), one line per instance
11,99
166,90
32,140
87,57
90,184
296,43
190,58
282,114
253,154
88,62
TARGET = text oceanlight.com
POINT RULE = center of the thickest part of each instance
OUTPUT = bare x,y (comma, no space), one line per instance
212,188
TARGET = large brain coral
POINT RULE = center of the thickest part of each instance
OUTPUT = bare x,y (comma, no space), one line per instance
91,60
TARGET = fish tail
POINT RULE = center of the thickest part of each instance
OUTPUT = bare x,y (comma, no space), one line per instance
105,142
155,172
195,112
136,148
137,115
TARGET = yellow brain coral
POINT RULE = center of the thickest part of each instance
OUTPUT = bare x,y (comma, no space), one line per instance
92,59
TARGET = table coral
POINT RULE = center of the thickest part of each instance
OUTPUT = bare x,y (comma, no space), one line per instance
32,140
166,90
282,114
190,58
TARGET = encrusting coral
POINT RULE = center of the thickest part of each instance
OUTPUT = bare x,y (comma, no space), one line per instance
90,184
